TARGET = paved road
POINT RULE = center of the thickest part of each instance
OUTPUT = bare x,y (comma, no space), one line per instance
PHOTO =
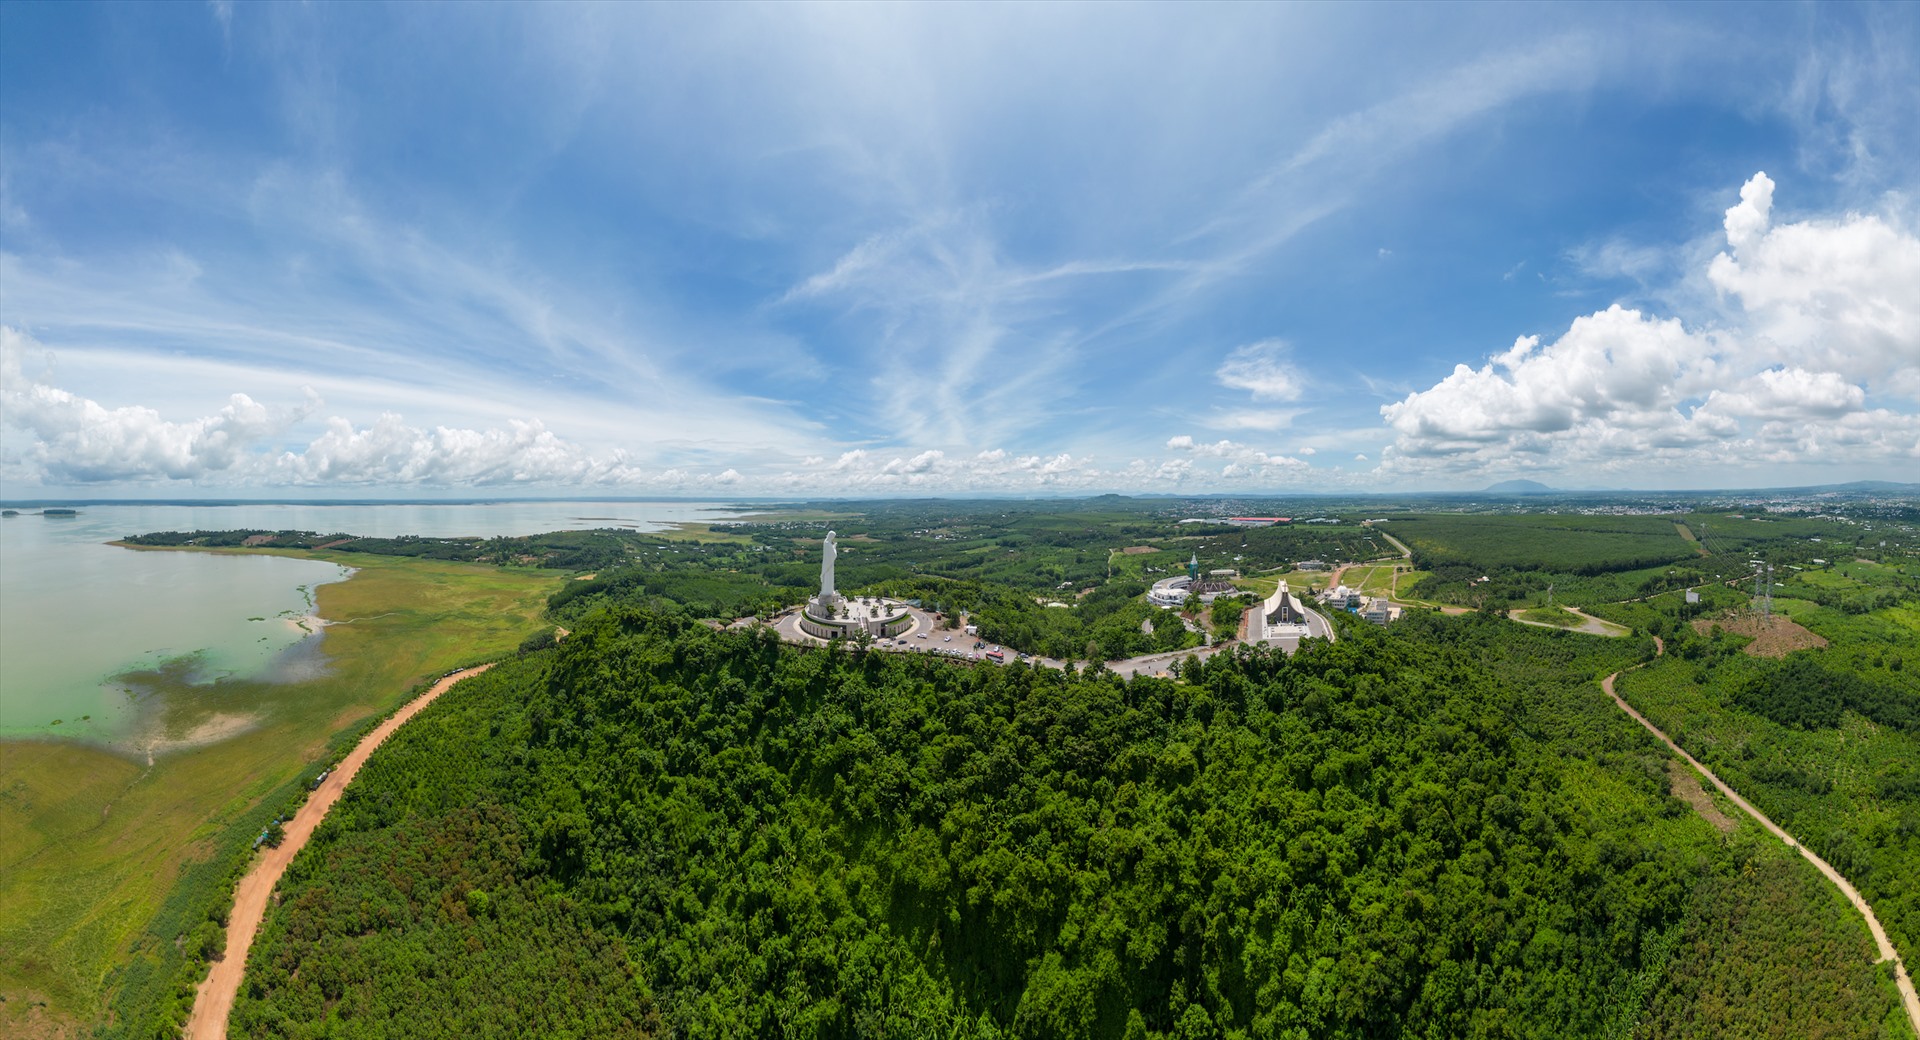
1405,552
787,627
1885,947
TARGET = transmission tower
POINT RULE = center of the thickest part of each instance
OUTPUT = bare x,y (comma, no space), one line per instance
1763,587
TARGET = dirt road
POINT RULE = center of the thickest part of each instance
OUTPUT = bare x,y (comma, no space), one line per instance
214,1001
1887,952
1589,624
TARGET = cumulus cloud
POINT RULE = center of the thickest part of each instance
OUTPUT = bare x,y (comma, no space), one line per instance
75,440
1242,462
1827,319
1790,394
80,440
67,439
1617,367
391,452
1833,295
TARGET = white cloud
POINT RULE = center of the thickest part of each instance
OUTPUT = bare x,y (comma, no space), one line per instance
1789,393
1829,317
81,440
1265,420
1613,258
961,337
75,440
391,452
66,439
1834,295
1243,462
1261,369
1615,366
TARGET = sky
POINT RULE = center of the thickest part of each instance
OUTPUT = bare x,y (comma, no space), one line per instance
734,250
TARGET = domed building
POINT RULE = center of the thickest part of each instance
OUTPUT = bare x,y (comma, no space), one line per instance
1169,593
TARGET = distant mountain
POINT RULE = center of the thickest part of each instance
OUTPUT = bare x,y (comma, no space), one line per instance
1520,487
1874,485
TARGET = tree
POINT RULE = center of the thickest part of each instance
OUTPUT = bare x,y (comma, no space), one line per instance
208,941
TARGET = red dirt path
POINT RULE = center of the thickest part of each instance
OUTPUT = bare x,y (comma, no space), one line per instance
1902,981
214,1001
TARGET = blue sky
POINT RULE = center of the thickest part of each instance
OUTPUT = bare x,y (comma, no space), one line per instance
937,249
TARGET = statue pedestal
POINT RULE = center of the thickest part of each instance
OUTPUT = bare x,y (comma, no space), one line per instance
882,618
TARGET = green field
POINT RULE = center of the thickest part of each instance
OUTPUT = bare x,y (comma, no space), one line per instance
105,862
1559,617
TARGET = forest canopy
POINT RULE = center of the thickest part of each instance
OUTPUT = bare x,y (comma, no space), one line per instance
654,828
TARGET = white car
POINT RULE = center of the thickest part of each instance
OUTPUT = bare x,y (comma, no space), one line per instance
949,639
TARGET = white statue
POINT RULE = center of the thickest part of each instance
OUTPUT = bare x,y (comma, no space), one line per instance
826,568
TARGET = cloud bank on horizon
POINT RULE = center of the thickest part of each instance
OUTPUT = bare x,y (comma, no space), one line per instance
825,250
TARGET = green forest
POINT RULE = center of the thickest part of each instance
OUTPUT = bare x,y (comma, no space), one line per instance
1442,829
657,829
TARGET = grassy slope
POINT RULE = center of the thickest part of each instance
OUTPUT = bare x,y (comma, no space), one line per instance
92,844
1559,617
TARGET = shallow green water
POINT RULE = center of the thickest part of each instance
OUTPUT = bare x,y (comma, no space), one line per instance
79,616
76,613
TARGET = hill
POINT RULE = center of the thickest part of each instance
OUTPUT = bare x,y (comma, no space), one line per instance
1520,487
658,829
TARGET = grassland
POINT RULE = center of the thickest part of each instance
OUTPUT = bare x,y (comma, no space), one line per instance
107,864
1559,617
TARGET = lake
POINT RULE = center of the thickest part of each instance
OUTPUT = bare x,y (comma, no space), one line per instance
77,613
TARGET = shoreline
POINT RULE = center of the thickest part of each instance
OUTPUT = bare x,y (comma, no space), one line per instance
146,734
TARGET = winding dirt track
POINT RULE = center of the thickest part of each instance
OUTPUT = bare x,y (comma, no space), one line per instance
214,1001
1887,952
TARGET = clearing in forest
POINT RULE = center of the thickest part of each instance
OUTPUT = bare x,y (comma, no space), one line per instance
1687,534
1686,787
1775,636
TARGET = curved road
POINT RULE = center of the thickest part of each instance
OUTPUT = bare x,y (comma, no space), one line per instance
214,1000
1589,624
1887,952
